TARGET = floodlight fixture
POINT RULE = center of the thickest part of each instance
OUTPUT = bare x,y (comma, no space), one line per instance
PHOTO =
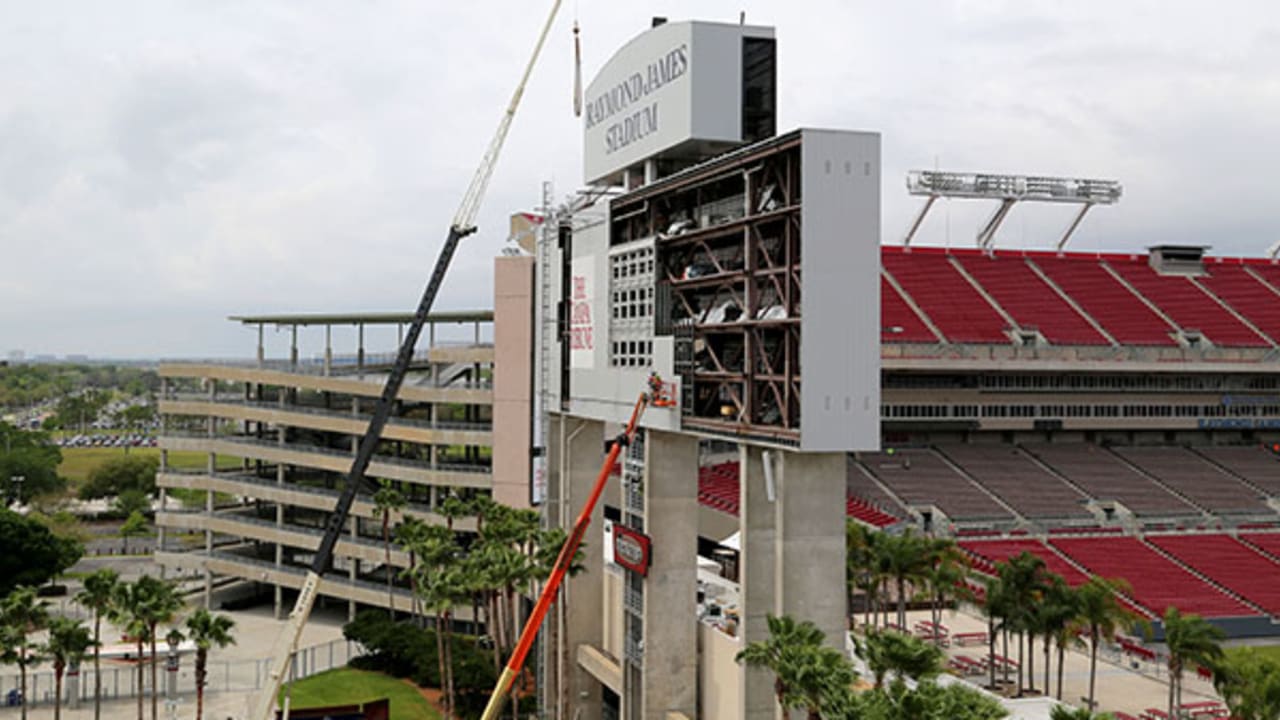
1007,190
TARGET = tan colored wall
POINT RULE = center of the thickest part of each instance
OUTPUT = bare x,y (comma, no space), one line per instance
512,378
719,677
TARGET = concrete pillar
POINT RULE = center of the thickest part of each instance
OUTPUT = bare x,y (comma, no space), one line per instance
360,349
757,569
811,494
293,346
328,349
670,589
580,455
262,353
793,553
72,686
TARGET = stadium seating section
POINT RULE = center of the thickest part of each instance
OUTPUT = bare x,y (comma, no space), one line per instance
970,297
1011,475
1157,581
1229,563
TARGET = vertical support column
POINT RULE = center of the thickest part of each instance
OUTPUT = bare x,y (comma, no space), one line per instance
551,651
262,352
757,567
811,495
793,554
210,468
281,473
579,461
293,347
328,350
164,492
360,349
670,612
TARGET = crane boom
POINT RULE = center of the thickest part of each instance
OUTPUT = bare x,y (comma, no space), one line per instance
463,225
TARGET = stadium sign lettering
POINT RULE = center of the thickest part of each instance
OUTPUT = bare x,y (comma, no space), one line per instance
617,101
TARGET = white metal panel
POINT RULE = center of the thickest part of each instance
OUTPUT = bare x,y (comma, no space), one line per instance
840,316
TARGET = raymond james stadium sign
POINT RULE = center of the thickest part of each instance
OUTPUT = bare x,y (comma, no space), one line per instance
627,106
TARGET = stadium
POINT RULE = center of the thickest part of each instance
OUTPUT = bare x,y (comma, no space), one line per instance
1113,414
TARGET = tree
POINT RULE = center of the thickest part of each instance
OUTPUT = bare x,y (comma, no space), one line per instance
161,604
908,562
410,535
207,631
1023,577
99,589
1057,615
67,644
1249,683
863,555
903,655
783,653
118,475
995,606
946,578
1188,639
1102,615
134,526
386,500
129,610
22,613
32,554
32,456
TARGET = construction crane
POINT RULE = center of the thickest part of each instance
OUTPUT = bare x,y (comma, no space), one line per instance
463,225
567,551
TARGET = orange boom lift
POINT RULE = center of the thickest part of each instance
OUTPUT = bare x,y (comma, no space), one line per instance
570,548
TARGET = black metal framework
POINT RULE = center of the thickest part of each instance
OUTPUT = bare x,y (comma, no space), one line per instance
727,240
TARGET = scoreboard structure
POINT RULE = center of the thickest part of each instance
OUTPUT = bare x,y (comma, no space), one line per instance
703,276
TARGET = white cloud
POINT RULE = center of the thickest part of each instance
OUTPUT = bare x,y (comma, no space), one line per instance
165,164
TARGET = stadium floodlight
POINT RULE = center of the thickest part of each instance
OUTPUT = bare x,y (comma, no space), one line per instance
1007,190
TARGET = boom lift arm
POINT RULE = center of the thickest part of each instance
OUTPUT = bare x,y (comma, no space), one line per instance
563,561
463,225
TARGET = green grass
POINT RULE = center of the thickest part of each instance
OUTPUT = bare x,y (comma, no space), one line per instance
346,686
1271,652
77,463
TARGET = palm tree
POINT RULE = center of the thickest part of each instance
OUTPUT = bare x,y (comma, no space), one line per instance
1188,639
821,673
162,603
782,652
386,500
946,578
99,588
410,534
207,631
907,556
68,643
1024,581
1101,613
994,607
1057,614
1249,684
862,556
21,614
128,610
452,508
902,655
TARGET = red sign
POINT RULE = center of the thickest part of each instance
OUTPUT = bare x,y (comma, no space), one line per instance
631,549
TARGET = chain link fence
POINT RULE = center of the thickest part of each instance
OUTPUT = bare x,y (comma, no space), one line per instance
120,678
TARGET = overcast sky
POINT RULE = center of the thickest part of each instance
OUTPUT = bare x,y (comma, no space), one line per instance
166,164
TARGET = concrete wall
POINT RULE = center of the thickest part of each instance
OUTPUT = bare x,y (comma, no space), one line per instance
513,314
719,676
